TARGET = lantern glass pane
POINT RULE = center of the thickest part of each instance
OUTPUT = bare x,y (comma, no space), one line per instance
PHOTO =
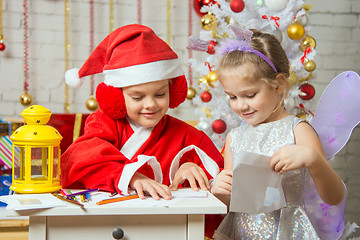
56,162
39,163
19,160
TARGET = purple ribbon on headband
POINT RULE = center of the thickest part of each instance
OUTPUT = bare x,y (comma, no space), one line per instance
242,43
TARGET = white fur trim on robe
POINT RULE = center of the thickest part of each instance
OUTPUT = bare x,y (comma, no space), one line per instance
136,140
130,169
132,145
210,165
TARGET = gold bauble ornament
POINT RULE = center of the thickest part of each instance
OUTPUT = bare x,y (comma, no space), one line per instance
191,93
295,31
301,115
308,41
91,104
202,80
209,22
292,79
212,77
25,99
310,65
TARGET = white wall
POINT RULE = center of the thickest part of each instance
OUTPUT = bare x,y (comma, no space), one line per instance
334,24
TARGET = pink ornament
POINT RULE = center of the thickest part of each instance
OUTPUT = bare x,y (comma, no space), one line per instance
237,5
308,91
219,126
206,96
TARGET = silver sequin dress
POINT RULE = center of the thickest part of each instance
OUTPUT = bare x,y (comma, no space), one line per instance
290,222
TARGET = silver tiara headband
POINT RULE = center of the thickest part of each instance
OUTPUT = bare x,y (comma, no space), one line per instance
242,43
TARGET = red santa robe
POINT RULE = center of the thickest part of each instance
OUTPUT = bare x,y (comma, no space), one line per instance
110,152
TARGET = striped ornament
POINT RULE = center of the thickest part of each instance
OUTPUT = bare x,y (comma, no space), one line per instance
5,152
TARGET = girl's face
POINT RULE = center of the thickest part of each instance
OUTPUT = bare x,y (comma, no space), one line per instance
147,103
252,99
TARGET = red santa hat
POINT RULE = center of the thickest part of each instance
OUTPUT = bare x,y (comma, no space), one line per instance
130,55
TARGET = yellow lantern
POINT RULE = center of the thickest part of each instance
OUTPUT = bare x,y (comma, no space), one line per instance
36,169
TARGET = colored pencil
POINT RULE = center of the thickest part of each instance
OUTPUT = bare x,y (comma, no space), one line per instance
82,192
67,200
118,199
63,192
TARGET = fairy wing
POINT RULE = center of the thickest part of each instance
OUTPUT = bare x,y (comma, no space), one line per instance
338,112
336,116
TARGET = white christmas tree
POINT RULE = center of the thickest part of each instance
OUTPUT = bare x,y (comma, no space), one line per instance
287,20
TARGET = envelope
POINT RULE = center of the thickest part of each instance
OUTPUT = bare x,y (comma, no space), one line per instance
255,187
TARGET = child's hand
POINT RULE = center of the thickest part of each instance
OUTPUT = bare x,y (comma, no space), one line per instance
292,157
222,184
193,173
143,184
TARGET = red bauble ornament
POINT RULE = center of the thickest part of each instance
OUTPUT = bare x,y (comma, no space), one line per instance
206,96
198,5
218,126
211,47
237,5
308,90
2,46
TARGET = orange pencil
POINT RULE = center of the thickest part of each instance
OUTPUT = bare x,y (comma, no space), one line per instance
118,199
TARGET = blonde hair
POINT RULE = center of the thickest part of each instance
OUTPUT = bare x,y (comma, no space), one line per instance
268,45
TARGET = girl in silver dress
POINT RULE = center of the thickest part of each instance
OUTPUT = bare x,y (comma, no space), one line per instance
254,72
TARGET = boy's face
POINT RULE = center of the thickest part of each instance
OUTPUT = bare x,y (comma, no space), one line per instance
147,103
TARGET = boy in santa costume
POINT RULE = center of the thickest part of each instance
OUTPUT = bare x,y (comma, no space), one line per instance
130,142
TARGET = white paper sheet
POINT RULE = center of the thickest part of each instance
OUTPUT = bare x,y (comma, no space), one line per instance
149,201
255,187
189,193
31,201
38,201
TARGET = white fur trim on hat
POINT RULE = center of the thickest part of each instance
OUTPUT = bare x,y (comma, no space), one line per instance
143,73
72,78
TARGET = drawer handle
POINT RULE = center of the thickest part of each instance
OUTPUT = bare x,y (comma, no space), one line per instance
118,233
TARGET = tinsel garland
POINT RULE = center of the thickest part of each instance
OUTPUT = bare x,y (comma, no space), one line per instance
168,22
26,45
1,22
111,15
139,9
67,50
190,6
91,42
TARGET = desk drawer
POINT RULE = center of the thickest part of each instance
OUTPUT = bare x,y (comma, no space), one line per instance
101,227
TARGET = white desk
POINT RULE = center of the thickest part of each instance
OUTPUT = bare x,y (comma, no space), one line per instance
182,219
